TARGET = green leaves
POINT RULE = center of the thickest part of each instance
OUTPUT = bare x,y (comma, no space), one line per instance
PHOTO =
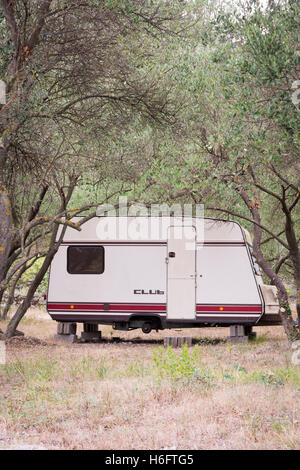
168,364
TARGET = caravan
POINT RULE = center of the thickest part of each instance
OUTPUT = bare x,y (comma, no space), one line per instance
157,273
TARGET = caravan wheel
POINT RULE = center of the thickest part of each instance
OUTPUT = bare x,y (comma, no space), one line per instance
147,327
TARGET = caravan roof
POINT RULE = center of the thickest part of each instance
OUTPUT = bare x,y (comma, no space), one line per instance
155,229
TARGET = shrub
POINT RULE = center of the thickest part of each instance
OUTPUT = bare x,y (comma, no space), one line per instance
188,365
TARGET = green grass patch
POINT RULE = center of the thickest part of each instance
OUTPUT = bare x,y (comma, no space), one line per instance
183,365
32,370
280,376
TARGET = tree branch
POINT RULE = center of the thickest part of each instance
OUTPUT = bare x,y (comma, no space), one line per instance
41,17
227,211
9,14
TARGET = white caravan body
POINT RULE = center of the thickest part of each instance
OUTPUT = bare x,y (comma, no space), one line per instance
165,271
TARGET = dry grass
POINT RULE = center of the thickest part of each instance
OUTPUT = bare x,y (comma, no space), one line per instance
111,395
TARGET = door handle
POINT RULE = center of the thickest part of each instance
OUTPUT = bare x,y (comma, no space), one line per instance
172,254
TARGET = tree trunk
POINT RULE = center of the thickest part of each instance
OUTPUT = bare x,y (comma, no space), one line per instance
53,247
11,294
290,329
294,248
23,307
6,227
285,311
298,301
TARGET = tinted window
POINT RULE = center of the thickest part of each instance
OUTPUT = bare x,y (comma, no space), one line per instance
85,259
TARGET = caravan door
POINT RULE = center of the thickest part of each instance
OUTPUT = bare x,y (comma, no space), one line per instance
181,273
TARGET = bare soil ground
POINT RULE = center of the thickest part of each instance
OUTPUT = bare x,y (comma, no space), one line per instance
128,394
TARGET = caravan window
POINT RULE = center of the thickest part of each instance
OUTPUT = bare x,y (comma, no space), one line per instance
85,260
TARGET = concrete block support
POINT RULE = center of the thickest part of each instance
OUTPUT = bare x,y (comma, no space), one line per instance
240,334
66,328
65,338
90,333
237,339
177,341
66,332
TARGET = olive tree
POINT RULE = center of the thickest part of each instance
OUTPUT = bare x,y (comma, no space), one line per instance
75,73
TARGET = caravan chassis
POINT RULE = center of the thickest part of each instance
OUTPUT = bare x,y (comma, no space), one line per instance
155,322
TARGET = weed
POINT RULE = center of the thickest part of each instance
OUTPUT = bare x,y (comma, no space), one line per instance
187,365
40,370
101,370
239,368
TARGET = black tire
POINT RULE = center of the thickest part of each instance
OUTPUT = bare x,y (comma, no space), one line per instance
147,327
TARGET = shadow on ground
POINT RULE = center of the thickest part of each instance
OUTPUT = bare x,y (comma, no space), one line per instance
201,341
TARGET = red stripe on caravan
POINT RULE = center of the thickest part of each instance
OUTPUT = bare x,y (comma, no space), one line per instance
229,308
152,308
124,307
155,308
75,306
